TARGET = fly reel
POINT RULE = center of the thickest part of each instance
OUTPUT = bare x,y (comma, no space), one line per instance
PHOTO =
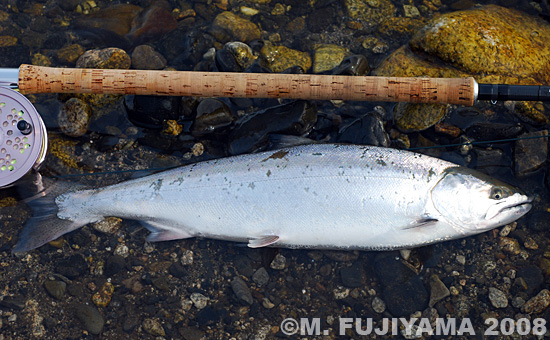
23,137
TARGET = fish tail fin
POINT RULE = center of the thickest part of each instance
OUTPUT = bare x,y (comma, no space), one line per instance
45,225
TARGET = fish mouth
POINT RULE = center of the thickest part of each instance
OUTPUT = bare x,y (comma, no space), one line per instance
516,205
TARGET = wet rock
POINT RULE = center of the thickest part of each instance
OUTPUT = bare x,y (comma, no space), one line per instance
109,225
13,302
352,277
251,132
227,26
493,131
261,277
7,40
509,245
242,53
199,301
532,277
498,298
184,47
74,117
438,290
209,315
531,112
530,154
411,117
72,267
491,158
153,327
378,305
69,54
366,130
328,56
102,297
489,39
278,58
55,288
144,57
191,333
109,58
152,23
187,258
278,263
355,65
538,303
139,110
243,264
91,319
241,290
406,298
372,11
213,116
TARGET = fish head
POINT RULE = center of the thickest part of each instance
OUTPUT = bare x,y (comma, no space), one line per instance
474,202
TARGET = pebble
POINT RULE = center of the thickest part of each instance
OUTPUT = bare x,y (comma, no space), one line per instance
199,301
144,57
261,277
532,278
91,319
187,258
438,290
509,245
109,225
74,117
153,327
498,298
229,26
213,115
72,267
102,297
328,56
352,276
278,58
461,259
538,303
122,250
378,305
530,154
340,292
278,263
266,303
518,302
406,298
241,290
55,288
13,302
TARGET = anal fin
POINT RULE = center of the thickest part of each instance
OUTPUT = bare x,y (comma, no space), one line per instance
163,232
263,241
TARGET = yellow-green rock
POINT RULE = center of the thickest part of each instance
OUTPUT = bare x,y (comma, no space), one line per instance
7,40
490,39
411,117
400,26
278,58
533,112
107,58
69,54
371,11
229,26
328,56
41,60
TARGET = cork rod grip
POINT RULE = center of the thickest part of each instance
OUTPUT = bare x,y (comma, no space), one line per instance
37,79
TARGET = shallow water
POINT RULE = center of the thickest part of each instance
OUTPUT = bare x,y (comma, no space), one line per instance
160,290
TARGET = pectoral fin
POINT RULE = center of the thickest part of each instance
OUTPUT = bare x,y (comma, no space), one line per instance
421,222
161,232
263,241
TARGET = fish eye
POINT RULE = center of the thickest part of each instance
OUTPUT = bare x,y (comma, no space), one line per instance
498,193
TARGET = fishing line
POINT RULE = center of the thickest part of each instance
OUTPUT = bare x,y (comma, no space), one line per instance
115,172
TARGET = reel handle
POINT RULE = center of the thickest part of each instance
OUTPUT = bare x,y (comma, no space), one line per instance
38,79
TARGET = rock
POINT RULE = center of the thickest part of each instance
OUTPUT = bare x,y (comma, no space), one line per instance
113,20
406,298
352,277
72,267
109,225
243,264
213,116
152,23
191,333
492,131
490,39
530,154
14,302
438,290
69,54
390,270
261,277
371,11
278,263
498,298
91,319
144,57
355,65
328,56
74,117
113,265
241,52
241,290
229,26
538,303
461,259
378,305
187,258
103,296
55,288
518,302
532,276
531,112
365,130
7,40
251,131
278,58
109,58
199,301
509,245
411,117
153,327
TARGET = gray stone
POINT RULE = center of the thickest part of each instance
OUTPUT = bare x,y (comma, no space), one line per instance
261,276
241,290
438,290
91,319
498,298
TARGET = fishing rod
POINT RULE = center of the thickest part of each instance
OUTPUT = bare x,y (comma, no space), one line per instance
23,136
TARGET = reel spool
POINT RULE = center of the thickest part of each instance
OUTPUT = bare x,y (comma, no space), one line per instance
23,137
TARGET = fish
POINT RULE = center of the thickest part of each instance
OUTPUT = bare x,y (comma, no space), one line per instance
322,196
